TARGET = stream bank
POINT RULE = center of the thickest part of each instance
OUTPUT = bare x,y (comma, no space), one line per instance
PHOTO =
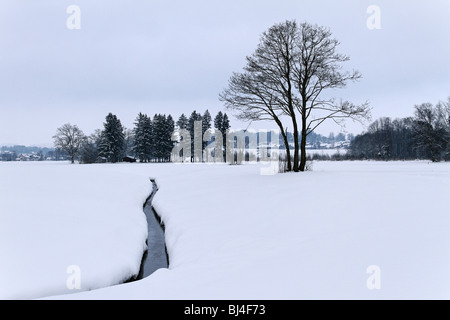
155,257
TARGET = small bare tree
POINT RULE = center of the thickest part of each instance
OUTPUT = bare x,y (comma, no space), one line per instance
69,138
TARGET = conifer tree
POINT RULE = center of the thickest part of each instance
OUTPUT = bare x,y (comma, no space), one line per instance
182,122
225,124
218,121
169,126
191,122
206,124
142,145
157,133
222,123
112,140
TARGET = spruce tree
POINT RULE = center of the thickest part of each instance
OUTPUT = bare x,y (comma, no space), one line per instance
206,121
157,134
169,127
182,122
147,140
112,139
222,123
218,121
137,144
225,124
224,129
193,117
142,145
206,124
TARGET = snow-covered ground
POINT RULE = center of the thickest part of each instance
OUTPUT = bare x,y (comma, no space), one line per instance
324,152
56,218
231,233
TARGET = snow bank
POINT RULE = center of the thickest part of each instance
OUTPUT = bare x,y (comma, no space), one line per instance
59,220
234,234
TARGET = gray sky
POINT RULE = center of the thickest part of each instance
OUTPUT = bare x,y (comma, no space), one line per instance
176,56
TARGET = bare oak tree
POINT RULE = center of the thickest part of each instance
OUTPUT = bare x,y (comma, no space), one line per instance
318,68
69,138
254,103
265,90
286,76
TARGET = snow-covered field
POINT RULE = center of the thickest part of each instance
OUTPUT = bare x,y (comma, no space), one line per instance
231,233
56,217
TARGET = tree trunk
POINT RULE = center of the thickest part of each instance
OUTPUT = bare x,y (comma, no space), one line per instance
303,146
286,143
288,152
296,146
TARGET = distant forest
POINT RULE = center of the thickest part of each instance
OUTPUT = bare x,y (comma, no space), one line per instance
425,135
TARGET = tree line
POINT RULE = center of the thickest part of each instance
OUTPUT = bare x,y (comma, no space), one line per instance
287,78
149,141
426,135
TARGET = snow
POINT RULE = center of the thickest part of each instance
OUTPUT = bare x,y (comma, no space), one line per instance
231,233
326,152
55,215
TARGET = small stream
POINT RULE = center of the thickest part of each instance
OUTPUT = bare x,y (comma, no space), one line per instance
155,257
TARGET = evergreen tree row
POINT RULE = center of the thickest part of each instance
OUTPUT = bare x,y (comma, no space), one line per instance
152,139
149,141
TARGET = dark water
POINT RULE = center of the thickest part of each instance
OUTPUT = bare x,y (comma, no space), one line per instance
156,255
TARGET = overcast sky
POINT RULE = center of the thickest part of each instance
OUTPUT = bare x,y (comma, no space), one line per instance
176,56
